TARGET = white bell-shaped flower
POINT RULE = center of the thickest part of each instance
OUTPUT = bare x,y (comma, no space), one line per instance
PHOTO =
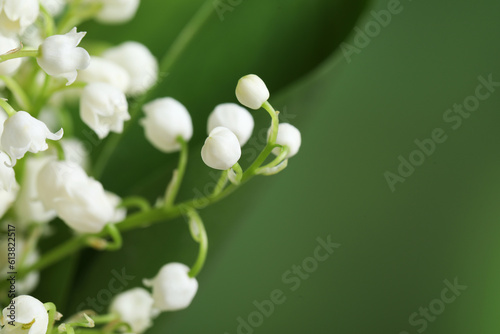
103,108
117,11
7,44
221,149
120,212
288,135
105,71
173,289
140,64
60,55
80,201
134,307
252,92
27,314
17,15
235,118
3,118
166,119
75,151
8,185
23,133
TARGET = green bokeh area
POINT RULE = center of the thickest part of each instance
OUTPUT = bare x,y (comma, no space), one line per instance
357,117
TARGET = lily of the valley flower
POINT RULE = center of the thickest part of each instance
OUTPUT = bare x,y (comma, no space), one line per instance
222,149
140,64
166,119
28,315
173,289
105,71
23,133
60,56
117,11
134,307
80,201
8,185
103,108
7,44
289,136
252,92
17,15
235,118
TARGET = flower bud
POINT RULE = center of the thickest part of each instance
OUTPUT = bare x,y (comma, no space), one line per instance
103,108
78,200
7,44
235,118
134,307
30,316
105,71
139,63
252,92
60,56
8,184
166,119
23,133
17,15
117,11
288,135
173,289
221,149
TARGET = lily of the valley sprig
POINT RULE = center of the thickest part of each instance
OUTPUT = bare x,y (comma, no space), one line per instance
46,173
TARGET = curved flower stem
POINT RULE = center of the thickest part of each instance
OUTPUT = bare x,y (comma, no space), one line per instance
169,59
114,233
279,159
104,319
221,183
18,54
7,107
49,23
135,202
20,95
174,186
201,238
52,310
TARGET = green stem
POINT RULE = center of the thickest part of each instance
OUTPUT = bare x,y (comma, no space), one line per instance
42,96
48,21
51,309
104,319
20,95
7,107
136,202
202,239
221,183
115,235
239,172
174,186
279,159
169,59
18,54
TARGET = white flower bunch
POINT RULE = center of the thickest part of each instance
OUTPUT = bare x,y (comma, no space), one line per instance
47,173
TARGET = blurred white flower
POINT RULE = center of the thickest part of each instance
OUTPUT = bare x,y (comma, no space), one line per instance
103,108
105,71
166,119
23,133
221,149
252,92
7,44
28,283
29,316
8,185
235,118
288,135
120,213
3,118
117,11
54,7
173,289
80,201
135,307
75,151
17,15
60,57
140,64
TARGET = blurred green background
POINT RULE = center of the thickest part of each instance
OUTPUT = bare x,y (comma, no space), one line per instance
356,117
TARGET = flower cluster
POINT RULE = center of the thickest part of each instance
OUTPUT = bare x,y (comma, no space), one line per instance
46,172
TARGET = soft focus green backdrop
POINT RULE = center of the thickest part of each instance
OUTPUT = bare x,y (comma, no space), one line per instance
356,118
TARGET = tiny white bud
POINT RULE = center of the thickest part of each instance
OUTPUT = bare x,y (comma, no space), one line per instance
173,289
23,133
221,149
7,44
135,307
105,71
140,64
235,118
30,316
117,11
80,201
103,108
252,92
288,135
166,119
60,56
17,15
